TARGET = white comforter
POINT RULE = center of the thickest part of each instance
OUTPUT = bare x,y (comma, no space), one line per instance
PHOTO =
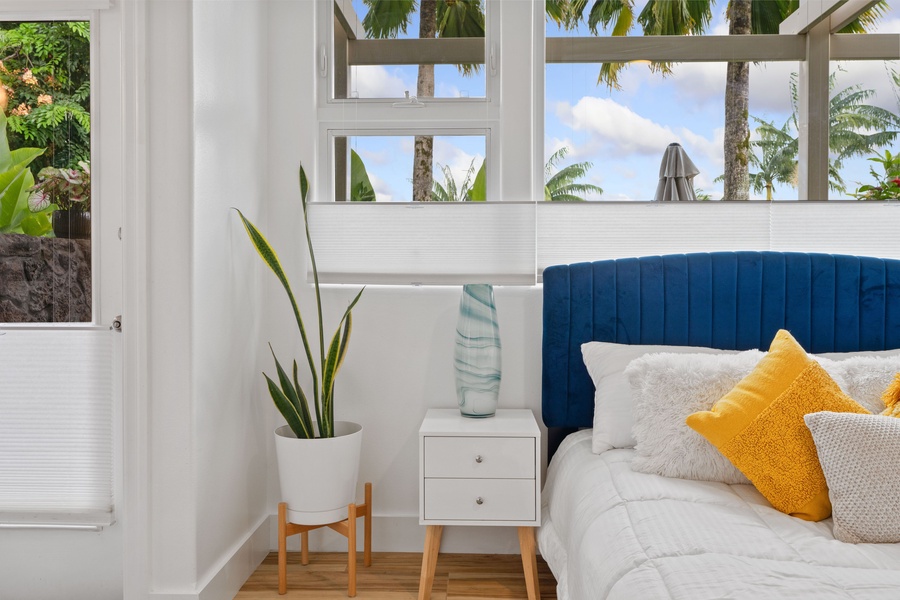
611,533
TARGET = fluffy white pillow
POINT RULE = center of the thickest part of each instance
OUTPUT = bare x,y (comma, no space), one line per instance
863,376
606,364
858,454
666,388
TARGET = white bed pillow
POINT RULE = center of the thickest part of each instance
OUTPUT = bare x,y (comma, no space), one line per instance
606,362
665,389
858,454
862,375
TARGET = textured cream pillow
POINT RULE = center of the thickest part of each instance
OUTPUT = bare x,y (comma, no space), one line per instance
858,454
606,364
666,388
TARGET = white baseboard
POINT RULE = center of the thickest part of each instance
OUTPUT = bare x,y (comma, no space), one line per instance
224,581
404,534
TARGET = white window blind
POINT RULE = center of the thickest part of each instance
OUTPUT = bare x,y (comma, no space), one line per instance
56,426
33,6
424,243
576,232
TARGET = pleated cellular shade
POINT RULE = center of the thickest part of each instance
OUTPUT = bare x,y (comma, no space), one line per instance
418,243
56,427
584,232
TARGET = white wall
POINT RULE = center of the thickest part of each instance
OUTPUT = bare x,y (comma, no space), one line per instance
231,423
207,455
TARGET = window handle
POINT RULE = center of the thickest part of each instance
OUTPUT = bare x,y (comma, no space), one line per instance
323,61
493,59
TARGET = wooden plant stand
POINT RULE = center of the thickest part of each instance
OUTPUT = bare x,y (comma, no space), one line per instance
346,528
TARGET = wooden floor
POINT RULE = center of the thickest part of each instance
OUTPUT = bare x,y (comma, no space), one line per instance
395,576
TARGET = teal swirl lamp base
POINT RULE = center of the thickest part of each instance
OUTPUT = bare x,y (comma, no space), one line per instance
477,352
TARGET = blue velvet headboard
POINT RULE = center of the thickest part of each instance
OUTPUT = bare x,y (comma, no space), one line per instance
727,300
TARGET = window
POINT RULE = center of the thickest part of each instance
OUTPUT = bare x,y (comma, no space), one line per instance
612,114
555,130
45,226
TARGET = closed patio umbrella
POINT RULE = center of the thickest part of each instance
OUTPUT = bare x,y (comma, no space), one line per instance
676,176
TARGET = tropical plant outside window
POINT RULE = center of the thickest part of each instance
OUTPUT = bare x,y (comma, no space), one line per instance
45,188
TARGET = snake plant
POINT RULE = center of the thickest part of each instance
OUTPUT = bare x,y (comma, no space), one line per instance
287,394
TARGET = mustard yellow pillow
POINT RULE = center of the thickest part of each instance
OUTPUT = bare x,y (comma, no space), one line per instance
759,427
891,398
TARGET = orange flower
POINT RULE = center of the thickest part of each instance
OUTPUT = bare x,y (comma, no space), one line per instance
44,99
29,78
21,110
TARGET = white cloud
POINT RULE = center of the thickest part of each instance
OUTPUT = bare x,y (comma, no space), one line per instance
615,129
383,190
377,82
709,150
382,157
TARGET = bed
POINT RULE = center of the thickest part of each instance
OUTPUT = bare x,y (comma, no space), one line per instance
611,532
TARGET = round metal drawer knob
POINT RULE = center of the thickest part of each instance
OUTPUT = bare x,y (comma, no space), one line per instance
479,500
478,459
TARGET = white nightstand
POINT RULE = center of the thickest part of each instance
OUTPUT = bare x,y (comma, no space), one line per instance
479,472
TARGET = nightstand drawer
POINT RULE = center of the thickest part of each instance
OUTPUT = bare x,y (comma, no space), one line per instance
479,457
500,499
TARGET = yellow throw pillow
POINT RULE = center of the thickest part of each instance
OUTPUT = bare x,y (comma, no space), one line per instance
759,427
891,398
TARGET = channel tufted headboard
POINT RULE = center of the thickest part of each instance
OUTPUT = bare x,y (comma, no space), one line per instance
727,300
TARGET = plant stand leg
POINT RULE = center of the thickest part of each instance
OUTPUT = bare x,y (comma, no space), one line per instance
282,548
351,551
529,562
429,559
346,528
367,524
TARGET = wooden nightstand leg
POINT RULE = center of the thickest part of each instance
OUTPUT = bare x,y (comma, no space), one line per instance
282,548
529,562
429,559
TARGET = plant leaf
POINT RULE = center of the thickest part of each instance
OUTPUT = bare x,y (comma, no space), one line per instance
290,392
285,408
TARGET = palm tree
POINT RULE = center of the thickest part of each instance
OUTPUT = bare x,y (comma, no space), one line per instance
563,185
437,18
691,17
855,128
450,191
778,160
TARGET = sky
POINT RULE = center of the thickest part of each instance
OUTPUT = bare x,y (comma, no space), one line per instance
622,133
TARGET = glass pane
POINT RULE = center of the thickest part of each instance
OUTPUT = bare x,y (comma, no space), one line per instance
864,125
615,139
380,168
45,245
380,45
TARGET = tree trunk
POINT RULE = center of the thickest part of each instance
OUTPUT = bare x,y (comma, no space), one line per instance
423,157
737,106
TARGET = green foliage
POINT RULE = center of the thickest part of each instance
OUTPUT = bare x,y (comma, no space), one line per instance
450,191
776,161
887,184
564,185
15,181
287,394
361,189
46,74
478,191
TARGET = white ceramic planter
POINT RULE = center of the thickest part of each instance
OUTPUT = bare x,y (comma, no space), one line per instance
318,477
